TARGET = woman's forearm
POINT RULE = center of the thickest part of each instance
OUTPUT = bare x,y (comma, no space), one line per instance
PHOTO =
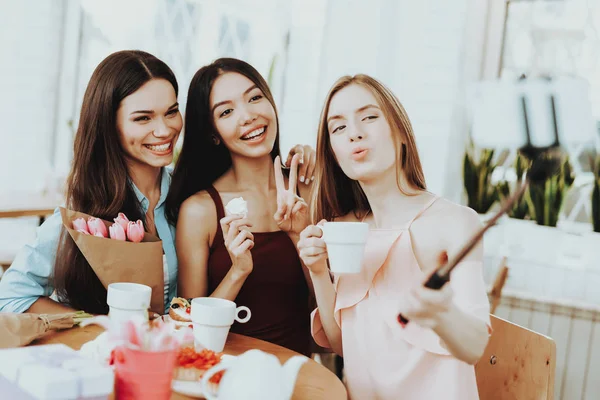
464,335
311,290
45,305
325,294
230,286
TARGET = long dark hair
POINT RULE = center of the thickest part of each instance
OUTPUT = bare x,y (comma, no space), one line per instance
201,161
99,183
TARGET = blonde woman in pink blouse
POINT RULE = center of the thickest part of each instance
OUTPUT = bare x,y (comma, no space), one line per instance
370,171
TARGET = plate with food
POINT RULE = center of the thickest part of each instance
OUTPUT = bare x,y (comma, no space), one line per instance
191,366
179,311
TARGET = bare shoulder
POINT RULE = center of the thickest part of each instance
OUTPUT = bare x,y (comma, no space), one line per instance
445,226
453,217
199,208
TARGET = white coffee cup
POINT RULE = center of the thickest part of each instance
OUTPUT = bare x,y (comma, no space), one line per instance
128,300
345,245
211,319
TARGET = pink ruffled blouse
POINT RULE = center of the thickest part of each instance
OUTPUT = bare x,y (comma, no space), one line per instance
382,360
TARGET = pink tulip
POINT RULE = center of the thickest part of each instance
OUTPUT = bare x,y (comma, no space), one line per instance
80,225
116,231
135,231
123,221
85,232
96,227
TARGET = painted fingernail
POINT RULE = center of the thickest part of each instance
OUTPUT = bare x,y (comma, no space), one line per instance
401,321
301,179
312,179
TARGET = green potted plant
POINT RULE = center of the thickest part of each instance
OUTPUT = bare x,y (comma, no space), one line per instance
477,176
520,210
545,199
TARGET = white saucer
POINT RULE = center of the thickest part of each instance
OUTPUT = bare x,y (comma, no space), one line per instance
188,388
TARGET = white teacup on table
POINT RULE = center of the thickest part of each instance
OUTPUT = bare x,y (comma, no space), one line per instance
128,300
211,319
345,245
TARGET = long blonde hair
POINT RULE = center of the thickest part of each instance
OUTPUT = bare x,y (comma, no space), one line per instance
334,194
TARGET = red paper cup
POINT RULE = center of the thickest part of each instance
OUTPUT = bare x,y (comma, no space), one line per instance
143,374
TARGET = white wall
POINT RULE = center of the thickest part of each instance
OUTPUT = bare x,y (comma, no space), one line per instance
31,43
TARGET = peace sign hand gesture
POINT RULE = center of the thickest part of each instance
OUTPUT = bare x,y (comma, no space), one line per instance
292,210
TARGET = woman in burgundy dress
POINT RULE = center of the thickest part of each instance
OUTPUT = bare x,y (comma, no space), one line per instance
231,150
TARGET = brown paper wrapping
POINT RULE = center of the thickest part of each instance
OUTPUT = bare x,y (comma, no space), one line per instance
21,329
119,261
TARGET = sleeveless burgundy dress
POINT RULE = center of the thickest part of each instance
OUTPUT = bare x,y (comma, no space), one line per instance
275,291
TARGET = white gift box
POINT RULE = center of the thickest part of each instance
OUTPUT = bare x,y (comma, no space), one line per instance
55,372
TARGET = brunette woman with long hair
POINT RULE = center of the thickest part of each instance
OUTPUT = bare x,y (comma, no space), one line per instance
368,170
231,150
128,127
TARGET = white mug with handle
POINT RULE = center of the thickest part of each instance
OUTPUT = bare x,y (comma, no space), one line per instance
211,319
345,245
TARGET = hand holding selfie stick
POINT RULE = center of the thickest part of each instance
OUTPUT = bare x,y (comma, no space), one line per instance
543,166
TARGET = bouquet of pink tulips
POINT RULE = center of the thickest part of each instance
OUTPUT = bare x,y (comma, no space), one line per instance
132,256
121,229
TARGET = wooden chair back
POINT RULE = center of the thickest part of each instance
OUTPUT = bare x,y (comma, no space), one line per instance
517,364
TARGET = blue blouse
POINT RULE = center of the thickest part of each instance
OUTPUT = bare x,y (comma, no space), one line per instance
30,275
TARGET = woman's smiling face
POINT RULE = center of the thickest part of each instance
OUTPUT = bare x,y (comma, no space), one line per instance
149,124
244,118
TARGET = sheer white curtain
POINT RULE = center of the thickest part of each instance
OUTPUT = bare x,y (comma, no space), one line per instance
31,47
426,52
186,34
